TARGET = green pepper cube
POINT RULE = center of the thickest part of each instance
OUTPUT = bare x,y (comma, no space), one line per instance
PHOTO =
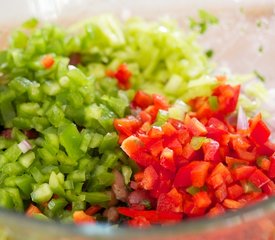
42,193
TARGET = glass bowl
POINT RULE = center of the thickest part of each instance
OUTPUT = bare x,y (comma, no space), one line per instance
243,41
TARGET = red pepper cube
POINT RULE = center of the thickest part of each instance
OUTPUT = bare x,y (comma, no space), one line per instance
263,163
183,176
259,132
221,192
242,172
215,133
142,100
232,204
134,148
215,181
139,222
175,145
155,132
170,202
227,97
145,117
153,216
80,217
123,76
191,210
238,142
188,152
269,188
152,111
160,102
199,174
211,151
235,191
217,124
156,148
167,159
217,210
150,178
196,127
271,171
183,136
169,130
235,162
202,200
178,124
258,178
224,172
127,126
47,61
248,155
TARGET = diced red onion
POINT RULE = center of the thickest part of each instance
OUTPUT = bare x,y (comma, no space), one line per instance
242,122
24,146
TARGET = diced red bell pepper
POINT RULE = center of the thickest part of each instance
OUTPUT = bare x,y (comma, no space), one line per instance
175,145
188,152
259,132
167,159
224,172
142,100
80,217
170,202
247,155
217,210
152,111
139,222
127,126
271,171
264,163
47,61
134,148
258,178
150,178
183,136
217,124
146,117
199,174
211,151
215,133
202,200
251,197
191,210
227,97
239,142
32,210
215,180
169,130
156,148
221,192
178,124
269,188
243,172
160,102
183,176
155,132
123,76
266,149
235,191
235,162
153,216
232,204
